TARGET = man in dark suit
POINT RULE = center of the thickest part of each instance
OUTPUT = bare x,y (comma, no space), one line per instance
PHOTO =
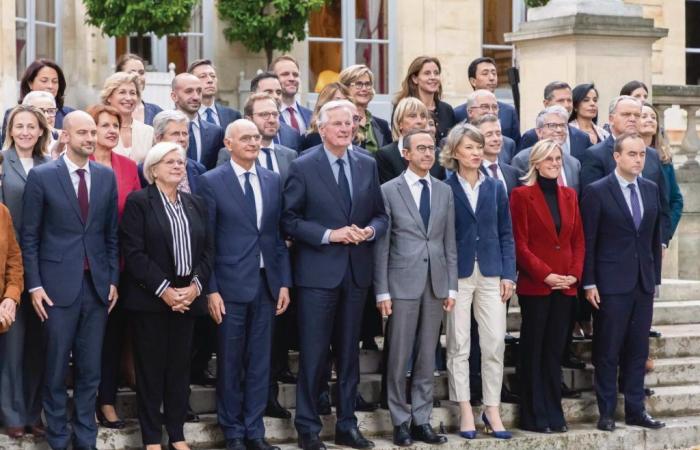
493,164
559,93
211,110
483,75
71,260
268,83
622,224
333,210
205,139
293,114
249,285
481,103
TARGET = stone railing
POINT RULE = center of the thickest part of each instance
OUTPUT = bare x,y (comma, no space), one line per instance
687,98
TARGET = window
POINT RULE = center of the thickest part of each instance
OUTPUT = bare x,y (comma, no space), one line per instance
38,31
500,17
346,32
692,42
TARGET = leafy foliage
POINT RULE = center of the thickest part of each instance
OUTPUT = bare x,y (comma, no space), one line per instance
267,25
123,17
535,3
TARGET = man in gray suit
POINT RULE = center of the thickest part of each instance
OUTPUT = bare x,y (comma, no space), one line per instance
552,124
262,110
415,279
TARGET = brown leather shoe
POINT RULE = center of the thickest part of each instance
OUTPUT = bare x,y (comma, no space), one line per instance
15,432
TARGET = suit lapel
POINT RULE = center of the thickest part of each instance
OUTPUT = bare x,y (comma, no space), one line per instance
616,191
156,203
194,221
565,213
460,195
405,193
230,180
326,174
542,209
646,199
67,185
435,200
96,184
265,180
16,164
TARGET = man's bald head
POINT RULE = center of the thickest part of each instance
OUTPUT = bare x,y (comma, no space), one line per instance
186,93
238,126
79,134
74,118
243,142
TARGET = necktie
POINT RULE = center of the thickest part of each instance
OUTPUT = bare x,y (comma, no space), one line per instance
83,195
293,119
192,145
210,116
424,207
636,209
494,170
250,197
344,185
268,158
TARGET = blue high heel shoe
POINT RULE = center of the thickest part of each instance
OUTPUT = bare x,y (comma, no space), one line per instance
471,434
490,431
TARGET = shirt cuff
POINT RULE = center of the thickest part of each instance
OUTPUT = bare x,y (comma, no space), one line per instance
35,289
326,239
197,284
510,281
452,294
589,286
163,286
383,297
371,238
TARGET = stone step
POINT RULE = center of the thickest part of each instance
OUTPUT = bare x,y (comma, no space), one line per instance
674,401
665,313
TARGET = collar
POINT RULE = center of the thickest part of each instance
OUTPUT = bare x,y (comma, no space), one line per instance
413,178
203,109
239,171
332,158
624,183
464,182
72,167
165,198
485,163
295,107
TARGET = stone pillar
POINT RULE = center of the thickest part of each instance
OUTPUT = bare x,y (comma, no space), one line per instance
8,56
578,41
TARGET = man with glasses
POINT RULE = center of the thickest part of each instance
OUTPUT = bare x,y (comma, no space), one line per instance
268,83
577,141
482,102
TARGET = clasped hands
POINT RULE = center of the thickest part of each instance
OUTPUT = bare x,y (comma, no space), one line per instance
351,234
180,299
556,281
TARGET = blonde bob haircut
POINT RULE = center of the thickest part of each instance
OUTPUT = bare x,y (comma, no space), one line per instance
156,155
408,105
115,80
539,152
353,73
454,140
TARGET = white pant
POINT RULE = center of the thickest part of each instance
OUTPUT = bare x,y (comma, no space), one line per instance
490,315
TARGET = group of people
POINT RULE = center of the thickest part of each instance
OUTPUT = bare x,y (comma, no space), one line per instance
142,241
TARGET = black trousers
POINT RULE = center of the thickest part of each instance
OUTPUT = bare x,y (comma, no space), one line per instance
112,348
162,345
545,324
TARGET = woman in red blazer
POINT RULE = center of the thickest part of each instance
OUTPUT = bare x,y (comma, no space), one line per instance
549,250
108,123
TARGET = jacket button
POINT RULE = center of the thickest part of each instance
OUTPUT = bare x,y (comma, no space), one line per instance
477,238
425,259
556,247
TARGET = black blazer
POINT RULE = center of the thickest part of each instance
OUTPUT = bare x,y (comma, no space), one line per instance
146,244
444,119
391,164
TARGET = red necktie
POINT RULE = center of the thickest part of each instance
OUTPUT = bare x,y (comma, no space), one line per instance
494,170
293,119
84,205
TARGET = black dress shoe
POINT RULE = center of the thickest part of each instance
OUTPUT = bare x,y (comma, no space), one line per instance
205,378
606,424
274,409
567,392
324,404
426,434
191,417
286,376
235,444
369,344
649,392
402,435
436,403
510,339
561,429
259,444
363,405
654,333
352,438
545,430
310,441
507,396
646,421
573,362
114,425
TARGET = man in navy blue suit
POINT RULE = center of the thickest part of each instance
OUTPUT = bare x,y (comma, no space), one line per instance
249,285
333,209
577,141
205,139
483,75
622,224
293,114
211,110
268,83
493,164
70,250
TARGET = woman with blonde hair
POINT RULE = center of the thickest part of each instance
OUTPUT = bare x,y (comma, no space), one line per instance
122,91
131,63
359,80
486,270
549,249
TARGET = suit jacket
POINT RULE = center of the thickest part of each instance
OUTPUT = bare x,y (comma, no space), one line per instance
288,137
238,241
599,162
510,125
485,234
539,249
55,241
147,247
141,142
127,175
618,256
13,182
408,252
572,168
320,147
226,115
381,130
211,140
306,114
284,156
444,119
578,141
391,163
150,110
11,268
60,114
511,176
312,205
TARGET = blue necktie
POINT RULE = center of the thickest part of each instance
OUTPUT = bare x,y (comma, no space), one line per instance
210,116
636,209
344,186
424,208
250,197
192,145
268,158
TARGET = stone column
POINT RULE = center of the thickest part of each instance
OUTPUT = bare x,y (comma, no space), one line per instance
8,56
578,41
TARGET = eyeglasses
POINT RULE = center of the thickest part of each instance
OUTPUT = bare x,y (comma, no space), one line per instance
486,107
555,126
362,85
425,148
247,139
49,111
267,114
174,162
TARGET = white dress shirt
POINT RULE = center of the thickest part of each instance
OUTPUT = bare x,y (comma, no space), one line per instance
203,113
74,178
628,195
297,115
472,193
257,193
262,158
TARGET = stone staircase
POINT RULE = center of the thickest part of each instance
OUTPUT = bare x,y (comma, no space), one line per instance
676,380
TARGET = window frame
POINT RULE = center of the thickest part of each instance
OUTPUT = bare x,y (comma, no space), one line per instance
31,23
